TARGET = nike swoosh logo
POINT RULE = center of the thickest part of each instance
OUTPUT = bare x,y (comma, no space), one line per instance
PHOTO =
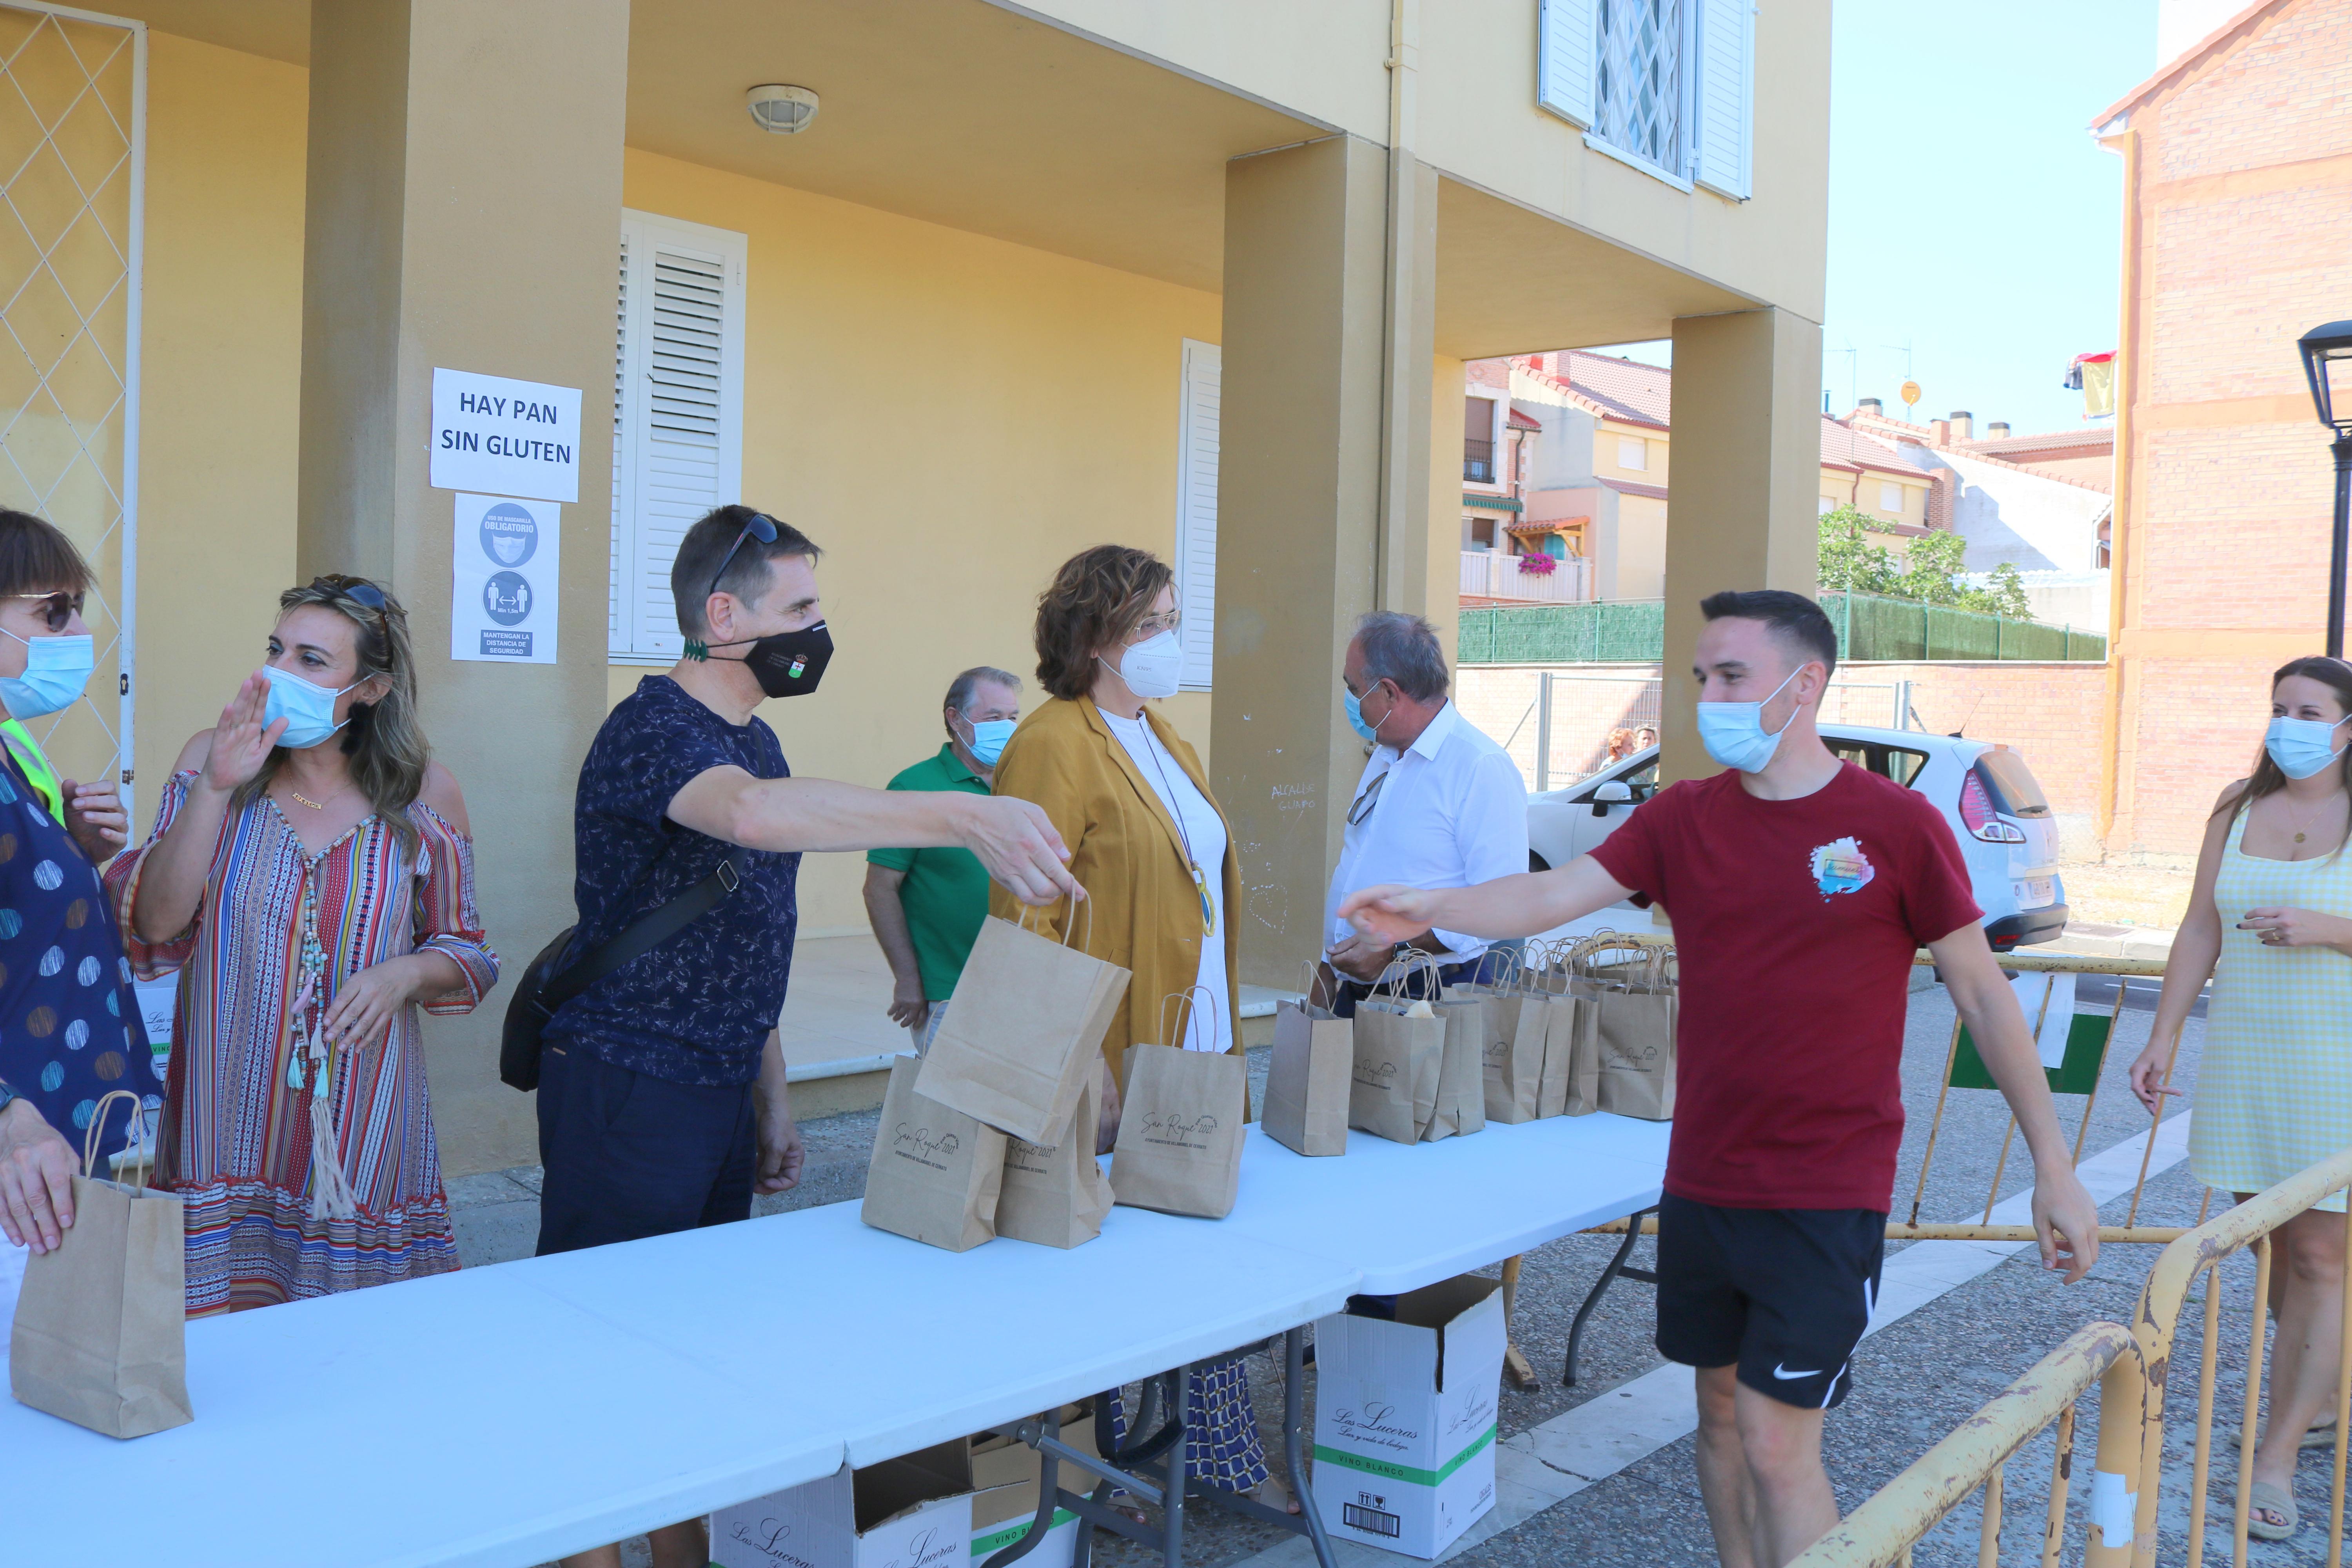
1781,1372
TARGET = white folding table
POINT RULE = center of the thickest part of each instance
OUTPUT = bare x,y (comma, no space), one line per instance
1409,1214
465,1420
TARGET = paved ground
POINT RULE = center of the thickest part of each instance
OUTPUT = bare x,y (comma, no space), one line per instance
1913,1382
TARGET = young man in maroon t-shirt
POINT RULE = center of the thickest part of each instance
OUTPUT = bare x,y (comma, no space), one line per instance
1799,887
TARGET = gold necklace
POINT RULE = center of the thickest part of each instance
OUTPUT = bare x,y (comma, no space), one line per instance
322,805
2326,802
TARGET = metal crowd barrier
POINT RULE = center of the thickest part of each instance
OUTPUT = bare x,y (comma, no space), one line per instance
1882,1531
2155,1322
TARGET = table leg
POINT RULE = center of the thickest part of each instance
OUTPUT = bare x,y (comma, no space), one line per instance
1515,1364
1179,1410
1294,1440
1616,1266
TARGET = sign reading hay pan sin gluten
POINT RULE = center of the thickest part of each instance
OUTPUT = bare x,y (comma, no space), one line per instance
504,437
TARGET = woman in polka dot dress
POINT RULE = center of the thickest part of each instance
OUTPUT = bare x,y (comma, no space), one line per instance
69,1026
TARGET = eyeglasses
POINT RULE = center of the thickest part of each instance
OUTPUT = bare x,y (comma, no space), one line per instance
1150,626
1364,803
59,609
358,590
761,527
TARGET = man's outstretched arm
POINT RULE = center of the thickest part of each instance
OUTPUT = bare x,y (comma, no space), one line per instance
1522,905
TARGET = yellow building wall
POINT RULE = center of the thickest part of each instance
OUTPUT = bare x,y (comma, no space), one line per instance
1640,548
222,381
949,417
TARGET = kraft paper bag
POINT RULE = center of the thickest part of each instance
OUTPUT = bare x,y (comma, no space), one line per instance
1511,1055
1179,1131
99,1335
1023,1030
1306,1091
936,1172
1635,1031
1461,1104
1392,1092
1058,1195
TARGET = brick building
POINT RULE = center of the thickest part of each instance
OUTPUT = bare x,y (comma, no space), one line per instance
2237,166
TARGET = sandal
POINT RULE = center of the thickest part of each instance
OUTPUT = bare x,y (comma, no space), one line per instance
2265,1498
1275,1495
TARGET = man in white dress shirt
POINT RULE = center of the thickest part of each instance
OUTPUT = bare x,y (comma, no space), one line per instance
1440,805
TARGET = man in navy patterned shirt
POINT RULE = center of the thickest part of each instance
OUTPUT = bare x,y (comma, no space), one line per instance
661,1099
661,1092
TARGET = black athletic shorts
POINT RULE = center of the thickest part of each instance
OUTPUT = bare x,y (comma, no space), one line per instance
1783,1293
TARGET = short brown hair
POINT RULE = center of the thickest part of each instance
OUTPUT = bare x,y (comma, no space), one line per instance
1095,599
35,557
706,544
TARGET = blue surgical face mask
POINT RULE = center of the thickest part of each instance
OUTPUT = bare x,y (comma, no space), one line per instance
1355,706
988,738
1733,732
308,710
55,670
2301,747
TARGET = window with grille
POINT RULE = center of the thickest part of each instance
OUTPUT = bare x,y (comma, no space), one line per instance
1665,85
1637,90
677,415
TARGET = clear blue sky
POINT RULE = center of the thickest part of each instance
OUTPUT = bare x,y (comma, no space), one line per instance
1971,215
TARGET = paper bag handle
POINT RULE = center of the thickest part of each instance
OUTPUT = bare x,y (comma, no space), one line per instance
1187,1013
1071,924
90,1134
1398,971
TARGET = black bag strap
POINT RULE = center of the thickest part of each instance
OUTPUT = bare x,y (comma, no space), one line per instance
648,931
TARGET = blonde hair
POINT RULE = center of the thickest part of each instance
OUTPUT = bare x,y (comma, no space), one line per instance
384,739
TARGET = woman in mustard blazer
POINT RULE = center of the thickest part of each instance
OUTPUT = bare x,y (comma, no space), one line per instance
1154,854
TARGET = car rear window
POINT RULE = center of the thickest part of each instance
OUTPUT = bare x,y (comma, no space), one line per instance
1896,762
2014,789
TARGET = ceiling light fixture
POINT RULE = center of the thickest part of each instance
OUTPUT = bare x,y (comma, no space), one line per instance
783,109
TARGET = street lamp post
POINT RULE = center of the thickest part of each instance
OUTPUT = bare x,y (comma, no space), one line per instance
2327,366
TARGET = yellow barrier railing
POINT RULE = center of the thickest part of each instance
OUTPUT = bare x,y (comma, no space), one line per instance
1882,1531
2154,1324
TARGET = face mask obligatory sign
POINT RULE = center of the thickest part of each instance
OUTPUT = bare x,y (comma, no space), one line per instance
512,450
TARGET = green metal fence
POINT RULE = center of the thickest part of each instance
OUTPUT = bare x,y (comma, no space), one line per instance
1633,631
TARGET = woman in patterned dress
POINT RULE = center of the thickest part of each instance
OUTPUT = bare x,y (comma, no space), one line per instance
2270,922
312,878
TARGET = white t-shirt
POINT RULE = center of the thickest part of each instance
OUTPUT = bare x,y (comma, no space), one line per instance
1204,831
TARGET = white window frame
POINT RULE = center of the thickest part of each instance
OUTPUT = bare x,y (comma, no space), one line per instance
628,589
1196,511
1640,449
1901,497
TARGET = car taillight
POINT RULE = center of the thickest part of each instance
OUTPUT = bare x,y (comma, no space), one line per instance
1978,815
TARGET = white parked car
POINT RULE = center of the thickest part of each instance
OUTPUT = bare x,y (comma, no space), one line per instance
1996,811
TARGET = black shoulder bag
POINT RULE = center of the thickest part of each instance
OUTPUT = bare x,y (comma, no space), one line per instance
542,990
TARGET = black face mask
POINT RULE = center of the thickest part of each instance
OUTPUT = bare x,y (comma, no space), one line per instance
790,663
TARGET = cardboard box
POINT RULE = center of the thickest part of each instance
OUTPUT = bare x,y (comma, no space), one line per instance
951,1506
1404,1419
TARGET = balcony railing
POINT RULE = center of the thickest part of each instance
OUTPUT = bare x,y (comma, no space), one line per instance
1478,461
1490,575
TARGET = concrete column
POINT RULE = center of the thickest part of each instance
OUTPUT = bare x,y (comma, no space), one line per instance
1299,535
1741,504
463,211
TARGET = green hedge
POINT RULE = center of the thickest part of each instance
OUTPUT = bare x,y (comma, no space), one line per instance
1869,628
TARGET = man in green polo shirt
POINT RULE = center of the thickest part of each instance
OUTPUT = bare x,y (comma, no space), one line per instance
926,905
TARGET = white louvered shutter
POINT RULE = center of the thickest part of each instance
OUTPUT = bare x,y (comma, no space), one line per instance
1725,96
1564,58
677,405
1196,510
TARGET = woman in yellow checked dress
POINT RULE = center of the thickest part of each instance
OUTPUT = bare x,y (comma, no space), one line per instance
2271,921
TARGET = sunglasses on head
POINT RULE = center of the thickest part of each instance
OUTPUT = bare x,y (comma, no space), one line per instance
358,590
761,527
57,609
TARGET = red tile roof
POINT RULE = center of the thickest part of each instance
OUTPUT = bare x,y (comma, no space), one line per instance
1522,422
1626,488
1612,388
1843,447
